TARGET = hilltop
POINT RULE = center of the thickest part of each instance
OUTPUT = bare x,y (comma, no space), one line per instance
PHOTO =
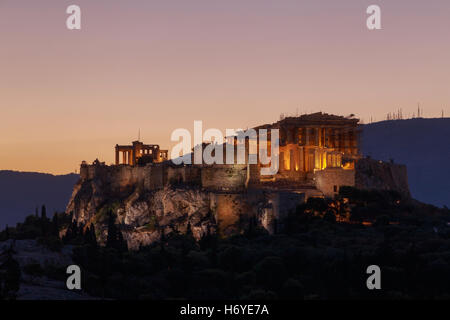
422,145
22,192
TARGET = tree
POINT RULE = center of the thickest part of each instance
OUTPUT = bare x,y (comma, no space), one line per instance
251,229
10,275
122,244
189,230
43,213
270,272
44,221
162,240
74,233
111,239
208,241
114,238
292,289
92,238
329,216
231,259
55,225
382,220
189,239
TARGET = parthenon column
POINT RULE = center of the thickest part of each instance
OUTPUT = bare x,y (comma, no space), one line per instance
306,136
124,157
342,141
117,155
334,137
346,141
319,131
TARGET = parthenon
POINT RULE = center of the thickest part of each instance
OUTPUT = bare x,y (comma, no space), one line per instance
140,153
316,141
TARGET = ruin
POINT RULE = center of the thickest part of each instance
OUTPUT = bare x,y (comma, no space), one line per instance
140,153
317,141
316,149
318,154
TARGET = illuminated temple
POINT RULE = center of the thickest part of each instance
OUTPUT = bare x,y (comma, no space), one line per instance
140,153
315,142
317,155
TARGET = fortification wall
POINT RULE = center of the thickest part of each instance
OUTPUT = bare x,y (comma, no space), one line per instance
280,204
373,174
184,174
331,179
176,174
255,175
121,178
223,195
151,177
291,176
224,177
154,177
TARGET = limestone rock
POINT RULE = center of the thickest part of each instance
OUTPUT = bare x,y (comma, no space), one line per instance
142,215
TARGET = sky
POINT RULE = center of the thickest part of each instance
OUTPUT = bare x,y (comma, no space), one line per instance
71,95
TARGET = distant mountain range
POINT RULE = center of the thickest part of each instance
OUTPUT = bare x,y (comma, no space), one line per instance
422,144
22,192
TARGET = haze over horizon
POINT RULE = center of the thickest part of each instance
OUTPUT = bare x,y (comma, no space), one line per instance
68,96
363,151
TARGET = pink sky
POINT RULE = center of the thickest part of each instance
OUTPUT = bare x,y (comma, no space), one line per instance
68,96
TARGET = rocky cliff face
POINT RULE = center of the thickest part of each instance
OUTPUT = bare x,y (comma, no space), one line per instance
142,215
145,210
167,210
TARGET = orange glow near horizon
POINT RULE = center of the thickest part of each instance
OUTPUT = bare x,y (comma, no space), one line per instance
68,96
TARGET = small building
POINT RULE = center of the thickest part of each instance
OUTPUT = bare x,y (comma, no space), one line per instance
140,153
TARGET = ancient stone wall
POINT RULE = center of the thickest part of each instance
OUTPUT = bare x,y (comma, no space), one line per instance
228,211
373,174
331,179
154,177
280,204
184,174
176,174
255,175
291,176
270,208
123,177
224,177
219,197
